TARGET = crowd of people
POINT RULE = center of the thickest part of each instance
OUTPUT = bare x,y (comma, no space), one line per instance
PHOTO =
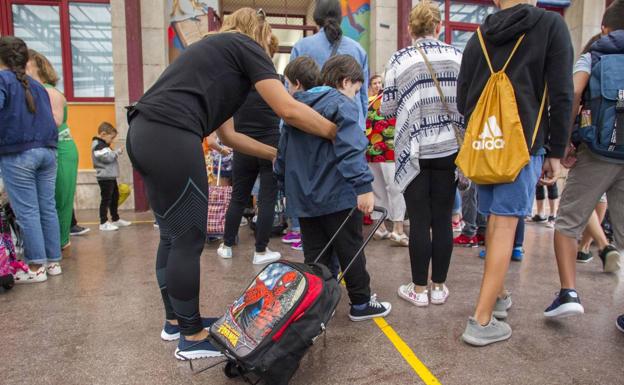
331,138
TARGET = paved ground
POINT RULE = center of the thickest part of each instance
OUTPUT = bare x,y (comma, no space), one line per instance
99,322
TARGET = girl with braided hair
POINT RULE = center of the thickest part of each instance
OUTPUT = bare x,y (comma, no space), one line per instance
28,141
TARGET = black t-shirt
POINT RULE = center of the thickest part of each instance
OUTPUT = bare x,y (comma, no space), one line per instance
256,119
205,85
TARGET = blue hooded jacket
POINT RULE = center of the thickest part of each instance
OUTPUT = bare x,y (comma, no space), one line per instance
611,44
321,177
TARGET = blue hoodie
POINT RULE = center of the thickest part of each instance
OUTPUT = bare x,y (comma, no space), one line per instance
321,177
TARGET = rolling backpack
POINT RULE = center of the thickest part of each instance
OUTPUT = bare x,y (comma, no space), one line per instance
494,149
602,130
265,333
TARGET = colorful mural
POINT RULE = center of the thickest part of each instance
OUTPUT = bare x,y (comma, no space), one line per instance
356,21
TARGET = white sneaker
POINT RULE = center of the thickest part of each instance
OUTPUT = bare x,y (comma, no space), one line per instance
419,299
31,276
121,223
438,297
54,268
108,227
224,251
267,257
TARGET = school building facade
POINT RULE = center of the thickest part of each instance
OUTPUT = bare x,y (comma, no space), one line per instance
108,52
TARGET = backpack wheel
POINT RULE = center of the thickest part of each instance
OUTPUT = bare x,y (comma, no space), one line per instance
231,370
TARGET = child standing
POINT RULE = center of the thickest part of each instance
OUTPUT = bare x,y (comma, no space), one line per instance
106,171
324,180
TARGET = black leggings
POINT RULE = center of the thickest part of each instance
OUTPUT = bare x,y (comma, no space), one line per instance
109,194
171,162
245,170
429,200
553,192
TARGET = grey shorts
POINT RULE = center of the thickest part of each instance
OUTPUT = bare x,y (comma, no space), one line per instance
587,182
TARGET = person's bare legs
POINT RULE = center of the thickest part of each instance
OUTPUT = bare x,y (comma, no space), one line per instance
397,227
593,230
565,250
553,204
499,244
539,203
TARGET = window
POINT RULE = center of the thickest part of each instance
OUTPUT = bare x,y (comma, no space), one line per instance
75,35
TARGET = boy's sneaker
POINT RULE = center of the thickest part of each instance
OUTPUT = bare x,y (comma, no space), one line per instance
517,254
610,257
619,323
171,332
267,257
465,241
539,219
224,251
567,303
439,297
121,223
30,276
478,335
291,237
193,350
54,268
372,310
501,307
297,246
582,257
408,293
108,227
458,226
244,222
78,230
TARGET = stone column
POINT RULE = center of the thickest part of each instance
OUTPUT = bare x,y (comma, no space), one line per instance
383,27
584,18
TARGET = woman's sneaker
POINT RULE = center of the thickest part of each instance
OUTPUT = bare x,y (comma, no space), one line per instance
479,335
465,241
108,226
619,323
501,306
297,246
291,237
551,222
408,293
584,257
371,310
193,350
30,276
567,303
267,257
78,230
224,251
439,295
539,219
171,332
121,223
399,239
517,254
54,268
610,257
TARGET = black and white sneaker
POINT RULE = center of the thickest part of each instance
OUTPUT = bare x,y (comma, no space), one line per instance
584,257
610,257
372,310
78,230
566,304
539,219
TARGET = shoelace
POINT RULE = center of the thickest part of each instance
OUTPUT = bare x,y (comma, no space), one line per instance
374,303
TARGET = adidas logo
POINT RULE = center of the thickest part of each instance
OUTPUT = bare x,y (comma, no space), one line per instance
491,138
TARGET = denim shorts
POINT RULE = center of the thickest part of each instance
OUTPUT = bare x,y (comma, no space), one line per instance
512,199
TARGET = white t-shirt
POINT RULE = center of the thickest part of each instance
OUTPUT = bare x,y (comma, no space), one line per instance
583,64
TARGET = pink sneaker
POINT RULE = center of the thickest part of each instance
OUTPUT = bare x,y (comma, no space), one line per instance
297,246
291,237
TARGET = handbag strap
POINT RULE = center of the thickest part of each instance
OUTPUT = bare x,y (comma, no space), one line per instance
219,170
458,134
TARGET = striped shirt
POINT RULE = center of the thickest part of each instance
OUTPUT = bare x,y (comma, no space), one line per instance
424,127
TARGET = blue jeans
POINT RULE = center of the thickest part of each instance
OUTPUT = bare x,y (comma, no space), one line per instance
30,181
457,203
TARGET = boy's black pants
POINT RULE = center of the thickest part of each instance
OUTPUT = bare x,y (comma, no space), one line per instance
110,199
317,231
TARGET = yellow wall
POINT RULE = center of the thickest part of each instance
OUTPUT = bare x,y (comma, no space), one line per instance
83,120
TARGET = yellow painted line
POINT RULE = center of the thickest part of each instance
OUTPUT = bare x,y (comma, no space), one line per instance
98,223
407,353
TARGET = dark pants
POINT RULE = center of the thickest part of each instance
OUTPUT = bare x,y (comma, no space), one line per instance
74,221
171,162
429,200
109,193
245,170
519,237
553,192
316,233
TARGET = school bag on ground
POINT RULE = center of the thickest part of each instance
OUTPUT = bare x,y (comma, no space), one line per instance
603,129
219,198
494,149
266,332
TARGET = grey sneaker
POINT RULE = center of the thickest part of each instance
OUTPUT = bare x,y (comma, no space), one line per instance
501,307
478,335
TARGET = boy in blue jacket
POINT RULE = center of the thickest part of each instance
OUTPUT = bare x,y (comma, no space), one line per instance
324,180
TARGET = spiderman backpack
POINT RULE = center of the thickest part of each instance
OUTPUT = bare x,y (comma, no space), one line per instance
269,328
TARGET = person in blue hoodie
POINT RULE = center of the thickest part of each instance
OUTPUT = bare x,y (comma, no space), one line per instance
324,180
28,141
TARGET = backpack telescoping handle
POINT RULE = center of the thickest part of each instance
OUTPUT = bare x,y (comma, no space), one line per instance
384,215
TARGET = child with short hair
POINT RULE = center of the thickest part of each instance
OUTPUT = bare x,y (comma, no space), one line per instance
105,162
324,180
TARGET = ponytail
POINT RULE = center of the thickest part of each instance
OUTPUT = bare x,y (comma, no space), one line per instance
328,15
332,30
14,55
